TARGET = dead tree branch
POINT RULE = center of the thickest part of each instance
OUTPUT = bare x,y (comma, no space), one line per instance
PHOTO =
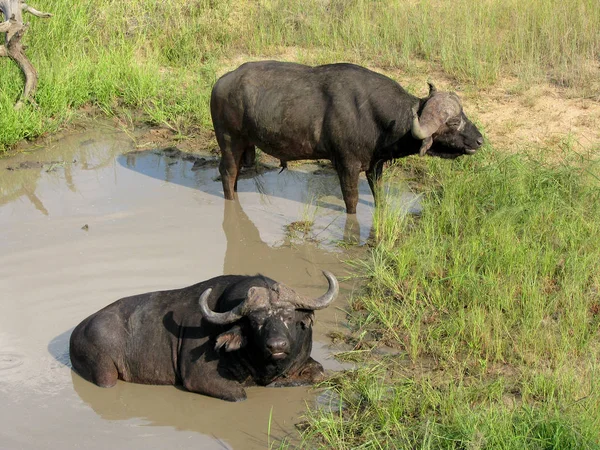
14,29
31,10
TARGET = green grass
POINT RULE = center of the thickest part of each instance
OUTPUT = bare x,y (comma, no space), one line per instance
147,56
474,41
161,58
491,299
379,412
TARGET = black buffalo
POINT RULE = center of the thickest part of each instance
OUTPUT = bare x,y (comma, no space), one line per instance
214,337
354,117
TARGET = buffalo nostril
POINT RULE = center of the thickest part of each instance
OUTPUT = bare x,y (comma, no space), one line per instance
277,345
480,141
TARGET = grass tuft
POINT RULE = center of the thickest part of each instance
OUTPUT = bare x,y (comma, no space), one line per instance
490,298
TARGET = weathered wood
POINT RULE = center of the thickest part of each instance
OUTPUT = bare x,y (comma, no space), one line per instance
14,29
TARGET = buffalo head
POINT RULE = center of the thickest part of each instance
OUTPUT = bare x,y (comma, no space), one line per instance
275,321
443,126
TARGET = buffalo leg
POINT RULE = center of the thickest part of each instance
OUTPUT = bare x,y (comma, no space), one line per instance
229,167
215,386
96,367
373,177
248,157
349,183
204,376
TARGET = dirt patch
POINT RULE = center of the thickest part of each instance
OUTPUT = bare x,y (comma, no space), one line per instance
539,116
514,116
197,141
301,227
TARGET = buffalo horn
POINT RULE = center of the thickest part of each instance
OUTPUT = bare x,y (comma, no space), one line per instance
324,300
439,107
216,317
432,89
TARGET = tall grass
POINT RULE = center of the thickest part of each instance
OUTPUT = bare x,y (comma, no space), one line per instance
157,57
506,259
474,41
492,299
161,57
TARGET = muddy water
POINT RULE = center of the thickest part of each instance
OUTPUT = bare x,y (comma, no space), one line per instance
82,224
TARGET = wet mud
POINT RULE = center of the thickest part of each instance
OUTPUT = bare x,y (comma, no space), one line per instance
89,220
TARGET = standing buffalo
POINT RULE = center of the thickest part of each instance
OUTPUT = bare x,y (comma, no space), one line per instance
357,118
214,337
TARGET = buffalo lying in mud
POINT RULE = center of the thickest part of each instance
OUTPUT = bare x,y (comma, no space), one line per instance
214,337
354,117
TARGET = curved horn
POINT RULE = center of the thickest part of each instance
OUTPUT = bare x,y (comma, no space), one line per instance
417,131
324,300
432,88
439,107
219,318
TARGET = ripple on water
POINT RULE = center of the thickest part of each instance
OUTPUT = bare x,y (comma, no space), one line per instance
10,360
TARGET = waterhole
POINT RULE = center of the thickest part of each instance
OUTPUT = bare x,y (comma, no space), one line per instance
10,361
90,219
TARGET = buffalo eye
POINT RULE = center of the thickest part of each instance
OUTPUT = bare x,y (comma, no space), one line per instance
454,122
288,318
257,322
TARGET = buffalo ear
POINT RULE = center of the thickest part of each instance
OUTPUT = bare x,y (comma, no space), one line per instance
232,340
307,320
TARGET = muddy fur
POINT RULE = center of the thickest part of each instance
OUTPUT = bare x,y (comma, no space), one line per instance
162,338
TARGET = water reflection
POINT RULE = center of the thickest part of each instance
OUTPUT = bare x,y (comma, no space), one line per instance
241,425
314,190
21,175
174,166
294,263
